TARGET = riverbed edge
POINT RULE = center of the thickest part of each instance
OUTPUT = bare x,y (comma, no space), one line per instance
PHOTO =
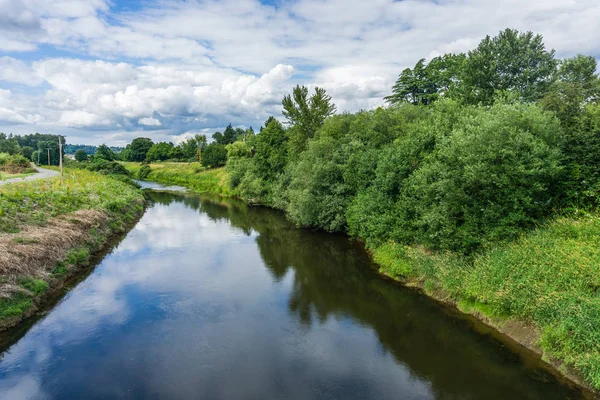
518,331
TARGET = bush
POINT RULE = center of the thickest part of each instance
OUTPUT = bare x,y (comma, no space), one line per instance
215,155
495,175
81,155
143,172
14,164
107,167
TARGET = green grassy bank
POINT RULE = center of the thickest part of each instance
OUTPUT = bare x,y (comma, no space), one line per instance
547,281
191,175
541,289
50,228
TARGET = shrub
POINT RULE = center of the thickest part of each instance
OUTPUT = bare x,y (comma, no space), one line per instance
107,167
493,176
143,172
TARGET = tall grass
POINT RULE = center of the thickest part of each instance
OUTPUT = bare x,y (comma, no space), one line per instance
34,203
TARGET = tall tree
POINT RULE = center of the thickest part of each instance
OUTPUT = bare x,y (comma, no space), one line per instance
9,144
27,152
139,148
271,150
577,84
307,114
511,61
103,151
425,83
229,135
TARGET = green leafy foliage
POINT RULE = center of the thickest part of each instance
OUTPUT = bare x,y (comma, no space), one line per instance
160,151
137,149
9,144
215,155
105,153
510,61
426,83
27,152
307,114
144,172
81,155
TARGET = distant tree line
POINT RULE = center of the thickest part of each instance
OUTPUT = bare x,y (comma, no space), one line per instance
195,148
88,149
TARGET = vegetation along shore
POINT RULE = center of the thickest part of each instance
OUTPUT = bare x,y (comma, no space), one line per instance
478,183
50,228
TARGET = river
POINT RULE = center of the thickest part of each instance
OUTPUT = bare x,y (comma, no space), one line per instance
208,298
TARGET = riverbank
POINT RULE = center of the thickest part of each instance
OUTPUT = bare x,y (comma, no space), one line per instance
49,230
540,290
191,175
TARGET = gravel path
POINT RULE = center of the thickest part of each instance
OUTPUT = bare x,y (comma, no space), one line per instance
41,174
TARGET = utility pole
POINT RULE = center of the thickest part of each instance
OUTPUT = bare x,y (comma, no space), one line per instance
48,155
39,152
60,156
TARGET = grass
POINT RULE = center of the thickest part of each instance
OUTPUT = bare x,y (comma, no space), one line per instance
190,175
34,203
14,306
549,278
5,175
50,227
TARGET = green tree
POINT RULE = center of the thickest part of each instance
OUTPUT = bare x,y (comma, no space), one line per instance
577,84
81,155
238,149
426,83
511,61
104,152
271,150
27,151
307,114
215,155
139,148
177,153
230,135
34,157
9,144
160,151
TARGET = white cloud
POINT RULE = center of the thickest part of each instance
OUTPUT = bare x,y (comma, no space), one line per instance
17,71
198,65
78,118
149,121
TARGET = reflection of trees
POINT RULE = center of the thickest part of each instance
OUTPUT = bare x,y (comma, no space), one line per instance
333,278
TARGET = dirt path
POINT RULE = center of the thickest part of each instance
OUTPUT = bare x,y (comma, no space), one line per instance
41,174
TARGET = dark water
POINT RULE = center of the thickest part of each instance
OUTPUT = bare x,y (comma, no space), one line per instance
211,299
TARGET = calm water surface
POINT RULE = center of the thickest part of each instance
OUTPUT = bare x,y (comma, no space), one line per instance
211,299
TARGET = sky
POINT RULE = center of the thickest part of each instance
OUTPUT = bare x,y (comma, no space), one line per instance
107,71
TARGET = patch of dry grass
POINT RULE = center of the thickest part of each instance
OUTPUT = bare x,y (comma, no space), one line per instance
39,248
